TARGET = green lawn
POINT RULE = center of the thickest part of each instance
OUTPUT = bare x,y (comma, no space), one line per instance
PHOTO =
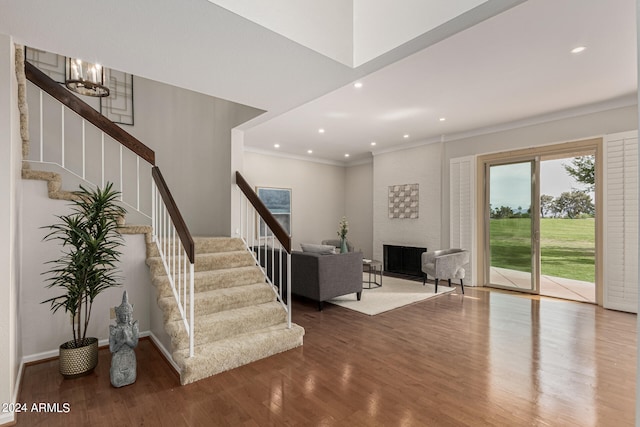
567,246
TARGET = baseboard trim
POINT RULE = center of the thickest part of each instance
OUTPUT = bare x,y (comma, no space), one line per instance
165,353
45,356
7,419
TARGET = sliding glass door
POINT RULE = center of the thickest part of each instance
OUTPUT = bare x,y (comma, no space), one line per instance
512,222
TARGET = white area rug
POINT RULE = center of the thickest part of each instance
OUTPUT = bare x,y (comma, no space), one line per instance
394,293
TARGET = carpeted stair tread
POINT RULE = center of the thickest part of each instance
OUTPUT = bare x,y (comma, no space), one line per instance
208,261
220,299
223,355
54,183
219,260
215,279
217,244
225,324
204,245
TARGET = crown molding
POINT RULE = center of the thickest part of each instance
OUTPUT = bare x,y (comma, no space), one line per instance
624,101
294,157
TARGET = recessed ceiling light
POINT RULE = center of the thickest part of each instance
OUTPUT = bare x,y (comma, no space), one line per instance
346,155
373,143
276,145
310,151
357,85
442,119
320,130
405,136
578,49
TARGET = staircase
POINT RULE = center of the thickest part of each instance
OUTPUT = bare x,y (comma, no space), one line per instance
237,317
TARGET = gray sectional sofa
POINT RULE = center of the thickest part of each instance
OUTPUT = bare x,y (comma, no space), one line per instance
321,277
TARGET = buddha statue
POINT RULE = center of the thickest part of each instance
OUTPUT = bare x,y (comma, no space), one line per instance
123,338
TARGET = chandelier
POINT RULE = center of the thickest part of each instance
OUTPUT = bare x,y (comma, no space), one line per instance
85,78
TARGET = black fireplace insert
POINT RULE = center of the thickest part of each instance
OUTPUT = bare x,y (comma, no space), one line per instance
403,259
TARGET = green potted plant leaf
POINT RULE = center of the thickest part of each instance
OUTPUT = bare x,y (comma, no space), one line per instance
90,244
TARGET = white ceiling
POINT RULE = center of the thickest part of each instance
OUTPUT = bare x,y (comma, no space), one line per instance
350,31
197,45
503,61
514,66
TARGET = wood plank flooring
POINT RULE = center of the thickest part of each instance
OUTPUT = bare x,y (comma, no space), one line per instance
484,359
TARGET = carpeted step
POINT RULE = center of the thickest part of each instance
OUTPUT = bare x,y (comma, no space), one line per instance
210,302
220,260
215,279
219,356
205,245
237,317
54,183
217,244
208,261
226,324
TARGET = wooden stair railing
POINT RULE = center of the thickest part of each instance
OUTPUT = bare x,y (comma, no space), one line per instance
273,258
84,110
174,213
277,229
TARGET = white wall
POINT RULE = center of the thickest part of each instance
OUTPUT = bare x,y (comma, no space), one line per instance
317,193
359,206
42,331
10,157
421,165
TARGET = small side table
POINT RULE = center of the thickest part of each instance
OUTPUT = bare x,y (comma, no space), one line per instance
375,267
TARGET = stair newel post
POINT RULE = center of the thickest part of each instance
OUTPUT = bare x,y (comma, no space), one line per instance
288,289
154,225
191,309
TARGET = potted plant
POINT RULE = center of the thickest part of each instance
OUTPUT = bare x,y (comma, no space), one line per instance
343,229
90,251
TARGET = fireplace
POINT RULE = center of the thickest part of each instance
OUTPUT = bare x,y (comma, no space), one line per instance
403,259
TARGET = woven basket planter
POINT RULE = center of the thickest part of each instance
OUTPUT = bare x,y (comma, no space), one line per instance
78,361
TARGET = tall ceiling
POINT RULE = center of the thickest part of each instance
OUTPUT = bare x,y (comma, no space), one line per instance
499,62
513,67
350,31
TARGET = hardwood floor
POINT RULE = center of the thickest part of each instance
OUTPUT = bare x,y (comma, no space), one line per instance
488,358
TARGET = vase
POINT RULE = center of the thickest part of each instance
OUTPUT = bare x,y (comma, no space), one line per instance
343,246
78,361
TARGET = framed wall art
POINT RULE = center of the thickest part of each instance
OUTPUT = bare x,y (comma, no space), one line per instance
118,106
51,64
404,201
278,201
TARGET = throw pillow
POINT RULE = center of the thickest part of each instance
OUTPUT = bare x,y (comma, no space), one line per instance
318,249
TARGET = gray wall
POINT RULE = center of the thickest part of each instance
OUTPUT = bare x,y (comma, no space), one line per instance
420,165
317,193
359,206
191,135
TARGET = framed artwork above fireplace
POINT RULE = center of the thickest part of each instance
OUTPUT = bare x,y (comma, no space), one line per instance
404,201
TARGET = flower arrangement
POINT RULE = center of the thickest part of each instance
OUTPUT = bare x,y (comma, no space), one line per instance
343,228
